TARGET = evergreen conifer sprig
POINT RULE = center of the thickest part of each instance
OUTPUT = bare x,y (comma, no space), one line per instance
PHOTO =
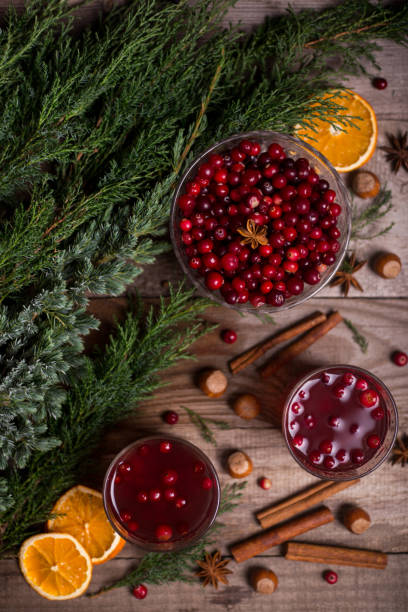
107,389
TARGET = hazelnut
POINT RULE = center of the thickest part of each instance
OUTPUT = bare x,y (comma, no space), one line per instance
246,406
264,581
387,265
239,464
213,382
356,520
365,184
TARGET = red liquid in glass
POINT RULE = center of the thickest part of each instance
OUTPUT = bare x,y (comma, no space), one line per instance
329,428
162,491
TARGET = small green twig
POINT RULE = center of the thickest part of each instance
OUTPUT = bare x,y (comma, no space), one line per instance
202,425
357,336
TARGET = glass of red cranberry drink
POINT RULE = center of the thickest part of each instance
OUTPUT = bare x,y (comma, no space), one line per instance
340,422
260,221
161,493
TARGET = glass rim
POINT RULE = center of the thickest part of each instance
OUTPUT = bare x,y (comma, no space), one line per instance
379,382
300,299
161,546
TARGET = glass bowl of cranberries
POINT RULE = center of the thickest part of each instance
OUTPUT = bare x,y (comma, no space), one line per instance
340,422
161,493
260,221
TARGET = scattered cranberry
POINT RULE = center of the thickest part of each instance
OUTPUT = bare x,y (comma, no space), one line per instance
315,457
357,455
206,483
142,497
170,494
181,502
164,532
373,441
326,447
400,358
329,462
265,483
298,440
348,379
170,417
140,591
369,398
297,408
330,576
339,391
341,455
380,83
165,446
361,384
229,336
154,495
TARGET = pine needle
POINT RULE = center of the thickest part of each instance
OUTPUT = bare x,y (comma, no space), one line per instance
358,338
365,218
202,424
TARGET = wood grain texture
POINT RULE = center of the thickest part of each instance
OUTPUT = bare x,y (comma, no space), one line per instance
384,321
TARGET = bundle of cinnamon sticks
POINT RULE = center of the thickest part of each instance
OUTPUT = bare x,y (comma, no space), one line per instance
312,328
280,533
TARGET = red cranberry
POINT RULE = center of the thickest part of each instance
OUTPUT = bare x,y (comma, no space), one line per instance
132,526
214,281
194,263
275,298
334,421
326,447
330,576
348,379
298,440
310,421
325,378
329,196
155,495
215,160
275,150
400,358
170,494
265,483
210,260
265,250
125,516
341,455
297,408
186,225
124,467
165,446
311,276
315,457
378,413
294,285
169,477
373,441
205,246
164,532
229,262
140,591
329,462
199,467
266,287
180,503
142,497
339,391
229,336
361,384
186,238
206,483
357,455
257,300
369,398
335,209
380,83
170,417
354,428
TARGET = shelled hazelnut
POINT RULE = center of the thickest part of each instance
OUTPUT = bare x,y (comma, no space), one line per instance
213,383
246,406
387,265
264,581
356,520
365,184
239,464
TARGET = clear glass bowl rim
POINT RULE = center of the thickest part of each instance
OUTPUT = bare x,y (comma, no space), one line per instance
351,367
156,547
345,201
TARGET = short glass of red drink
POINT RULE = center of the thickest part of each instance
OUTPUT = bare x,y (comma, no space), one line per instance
161,493
340,422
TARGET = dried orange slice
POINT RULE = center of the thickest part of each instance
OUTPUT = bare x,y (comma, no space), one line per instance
351,148
55,565
81,514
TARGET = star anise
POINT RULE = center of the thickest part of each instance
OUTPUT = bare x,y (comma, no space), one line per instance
397,153
400,451
345,276
253,234
213,569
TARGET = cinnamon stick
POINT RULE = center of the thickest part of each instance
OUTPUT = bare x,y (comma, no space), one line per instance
301,502
356,557
273,537
300,345
248,357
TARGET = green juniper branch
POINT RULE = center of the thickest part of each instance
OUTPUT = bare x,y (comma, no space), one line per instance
203,425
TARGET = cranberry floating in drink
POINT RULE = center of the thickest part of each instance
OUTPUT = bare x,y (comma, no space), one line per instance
340,422
161,493
260,220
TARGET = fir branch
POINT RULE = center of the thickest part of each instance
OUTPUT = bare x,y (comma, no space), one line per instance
202,424
109,388
357,336
163,568
371,214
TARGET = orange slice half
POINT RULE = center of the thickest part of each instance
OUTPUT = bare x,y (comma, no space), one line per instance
55,565
81,513
346,147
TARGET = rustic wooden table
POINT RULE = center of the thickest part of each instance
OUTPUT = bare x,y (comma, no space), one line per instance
382,316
